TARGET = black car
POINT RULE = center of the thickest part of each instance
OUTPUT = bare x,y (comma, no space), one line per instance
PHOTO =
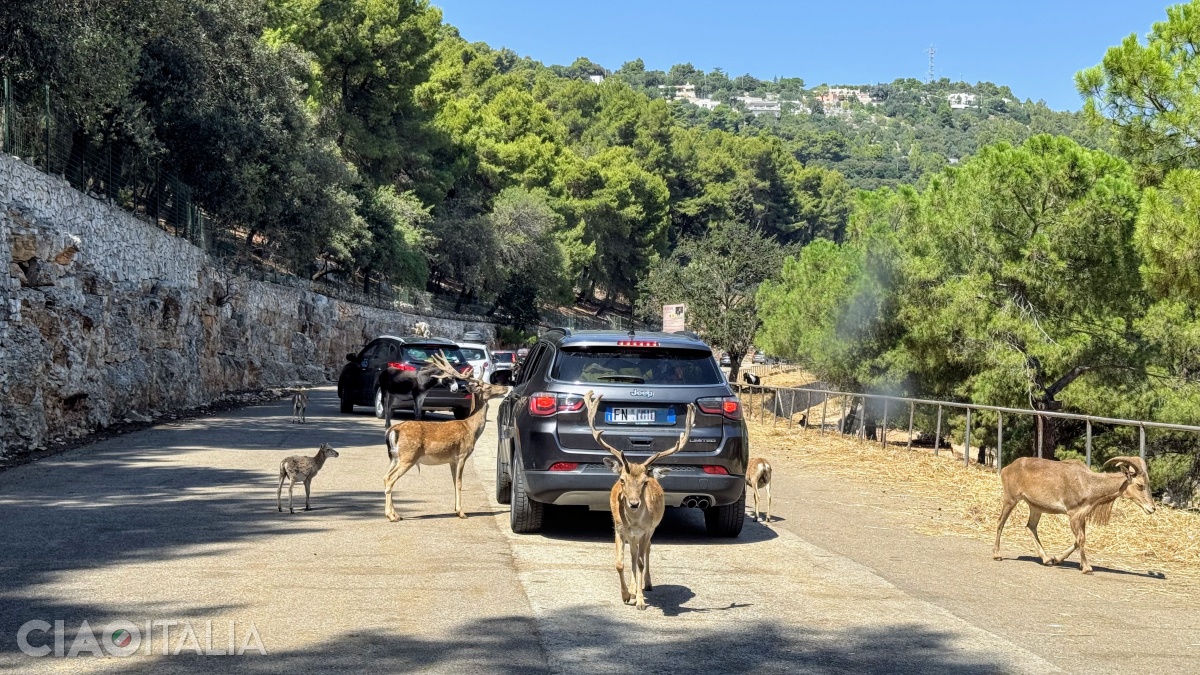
359,382
546,452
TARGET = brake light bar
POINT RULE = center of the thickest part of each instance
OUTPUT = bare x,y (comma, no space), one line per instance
637,343
564,466
400,366
714,470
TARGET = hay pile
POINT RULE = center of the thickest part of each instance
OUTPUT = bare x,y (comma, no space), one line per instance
969,499
788,376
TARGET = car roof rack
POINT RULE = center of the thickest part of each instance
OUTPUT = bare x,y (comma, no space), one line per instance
687,333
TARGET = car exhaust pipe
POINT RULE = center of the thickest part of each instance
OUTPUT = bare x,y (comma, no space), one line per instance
696,502
702,503
689,502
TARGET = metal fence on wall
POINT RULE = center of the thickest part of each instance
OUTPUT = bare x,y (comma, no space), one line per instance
800,406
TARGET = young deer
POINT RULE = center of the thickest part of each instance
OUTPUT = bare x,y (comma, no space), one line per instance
758,475
299,403
299,467
442,442
636,502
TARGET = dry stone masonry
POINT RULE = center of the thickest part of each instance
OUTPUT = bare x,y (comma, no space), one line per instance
105,318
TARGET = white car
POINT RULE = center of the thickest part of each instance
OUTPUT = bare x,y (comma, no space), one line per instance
480,358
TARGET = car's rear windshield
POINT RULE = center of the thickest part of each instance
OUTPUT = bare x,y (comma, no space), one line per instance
422,354
504,357
472,354
636,366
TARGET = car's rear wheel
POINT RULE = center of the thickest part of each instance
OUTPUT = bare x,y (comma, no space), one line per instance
503,477
344,401
524,515
379,411
727,520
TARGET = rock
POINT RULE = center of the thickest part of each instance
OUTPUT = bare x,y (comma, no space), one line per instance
137,417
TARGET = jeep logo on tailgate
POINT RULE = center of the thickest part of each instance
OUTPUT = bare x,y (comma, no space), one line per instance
643,393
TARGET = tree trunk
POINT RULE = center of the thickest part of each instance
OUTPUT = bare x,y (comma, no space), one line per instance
735,365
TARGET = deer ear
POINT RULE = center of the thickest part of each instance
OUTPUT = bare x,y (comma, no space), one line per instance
659,472
612,464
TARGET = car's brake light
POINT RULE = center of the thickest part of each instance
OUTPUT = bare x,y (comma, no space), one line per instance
545,404
715,470
564,466
400,366
637,343
727,406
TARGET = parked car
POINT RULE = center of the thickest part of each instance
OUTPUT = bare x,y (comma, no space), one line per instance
725,362
547,454
522,353
759,357
503,365
358,383
473,336
480,358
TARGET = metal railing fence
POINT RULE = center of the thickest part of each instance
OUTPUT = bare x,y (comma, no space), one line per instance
781,402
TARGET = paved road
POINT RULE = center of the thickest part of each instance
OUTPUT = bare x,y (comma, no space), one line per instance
179,523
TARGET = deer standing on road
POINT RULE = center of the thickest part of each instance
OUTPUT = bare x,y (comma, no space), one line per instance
301,468
1072,488
413,442
299,403
636,502
758,475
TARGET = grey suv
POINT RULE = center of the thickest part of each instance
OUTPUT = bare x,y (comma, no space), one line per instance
546,452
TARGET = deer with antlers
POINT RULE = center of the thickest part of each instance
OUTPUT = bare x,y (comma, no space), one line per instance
416,442
636,502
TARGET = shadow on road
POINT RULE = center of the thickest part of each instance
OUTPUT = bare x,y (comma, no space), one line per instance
593,641
1098,569
126,501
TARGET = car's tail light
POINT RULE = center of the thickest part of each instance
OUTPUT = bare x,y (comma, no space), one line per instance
715,470
400,366
564,466
727,406
637,343
545,404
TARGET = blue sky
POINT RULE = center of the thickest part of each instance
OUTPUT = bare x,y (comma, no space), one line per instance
1033,47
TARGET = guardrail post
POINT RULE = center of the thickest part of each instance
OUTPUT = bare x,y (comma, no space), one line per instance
775,410
1142,442
937,436
862,421
1089,444
967,442
883,429
824,403
912,408
999,441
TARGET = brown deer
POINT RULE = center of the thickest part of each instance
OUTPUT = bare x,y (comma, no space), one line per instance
758,475
1072,488
414,442
636,502
301,468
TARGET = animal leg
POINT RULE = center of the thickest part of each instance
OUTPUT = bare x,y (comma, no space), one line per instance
457,469
387,410
646,563
394,473
418,405
279,492
1079,528
768,502
635,557
1005,511
307,487
1035,516
756,502
290,486
621,568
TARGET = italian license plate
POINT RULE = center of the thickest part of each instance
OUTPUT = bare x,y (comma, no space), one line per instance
630,416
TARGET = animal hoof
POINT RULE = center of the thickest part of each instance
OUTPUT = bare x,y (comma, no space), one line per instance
462,515
308,508
1088,571
292,510
393,517
641,606
997,557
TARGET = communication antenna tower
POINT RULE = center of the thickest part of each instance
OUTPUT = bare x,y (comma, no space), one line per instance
931,51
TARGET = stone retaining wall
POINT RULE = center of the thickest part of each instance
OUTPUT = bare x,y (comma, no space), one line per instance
104,317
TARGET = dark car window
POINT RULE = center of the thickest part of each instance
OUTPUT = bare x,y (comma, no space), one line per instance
503,357
531,362
636,366
368,354
386,353
422,353
472,354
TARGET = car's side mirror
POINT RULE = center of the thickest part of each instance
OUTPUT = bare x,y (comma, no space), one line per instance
352,357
